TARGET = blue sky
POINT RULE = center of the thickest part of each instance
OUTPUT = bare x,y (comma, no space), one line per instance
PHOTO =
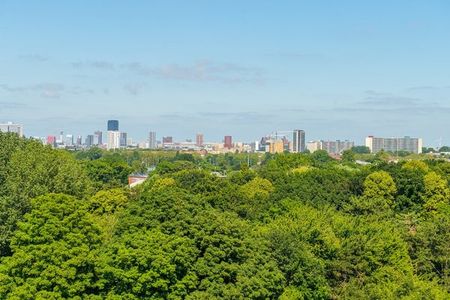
338,69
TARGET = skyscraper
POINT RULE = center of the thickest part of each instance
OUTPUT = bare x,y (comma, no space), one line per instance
298,141
123,140
98,138
152,140
89,140
69,140
199,140
228,142
113,140
113,125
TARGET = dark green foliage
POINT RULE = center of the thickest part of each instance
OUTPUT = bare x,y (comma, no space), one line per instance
360,149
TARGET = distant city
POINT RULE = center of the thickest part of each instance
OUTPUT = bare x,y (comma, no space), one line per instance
276,142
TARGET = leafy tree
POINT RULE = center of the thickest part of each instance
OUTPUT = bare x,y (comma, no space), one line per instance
348,156
360,149
53,252
379,194
436,190
35,170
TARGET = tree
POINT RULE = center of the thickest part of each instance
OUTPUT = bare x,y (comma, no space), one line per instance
348,156
444,149
378,196
35,170
53,252
360,149
436,190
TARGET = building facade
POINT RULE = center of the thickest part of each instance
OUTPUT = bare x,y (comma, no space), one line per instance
199,140
228,142
113,140
152,140
298,141
332,147
98,138
113,125
409,144
11,127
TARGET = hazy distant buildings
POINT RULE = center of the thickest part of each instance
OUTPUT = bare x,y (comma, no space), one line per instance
113,125
152,140
11,127
123,140
409,144
199,140
98,138
69,140
51,140
298,141
167,140
228,142
89,142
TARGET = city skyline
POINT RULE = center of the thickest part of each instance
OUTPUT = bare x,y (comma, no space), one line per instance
240,68
296,136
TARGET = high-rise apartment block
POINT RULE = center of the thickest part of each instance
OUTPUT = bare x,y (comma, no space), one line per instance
228,142
376,144
113,125
152,140
199,140
332,147
11,127
298,141
276,146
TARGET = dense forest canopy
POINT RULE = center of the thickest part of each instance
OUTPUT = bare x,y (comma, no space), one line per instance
234,226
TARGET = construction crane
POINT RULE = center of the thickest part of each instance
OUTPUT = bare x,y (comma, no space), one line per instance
280,133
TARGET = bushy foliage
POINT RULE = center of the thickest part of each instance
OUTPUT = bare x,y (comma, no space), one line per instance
235,226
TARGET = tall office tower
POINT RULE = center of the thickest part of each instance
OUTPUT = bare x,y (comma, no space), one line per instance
298,141
98,138
123,140
89,140
413,145
113,140
228,142
69,140
61,138
79,140
152,140
113,125
10,127
51,140
199,140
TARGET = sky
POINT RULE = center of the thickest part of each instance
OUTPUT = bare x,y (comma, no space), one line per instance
337,69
